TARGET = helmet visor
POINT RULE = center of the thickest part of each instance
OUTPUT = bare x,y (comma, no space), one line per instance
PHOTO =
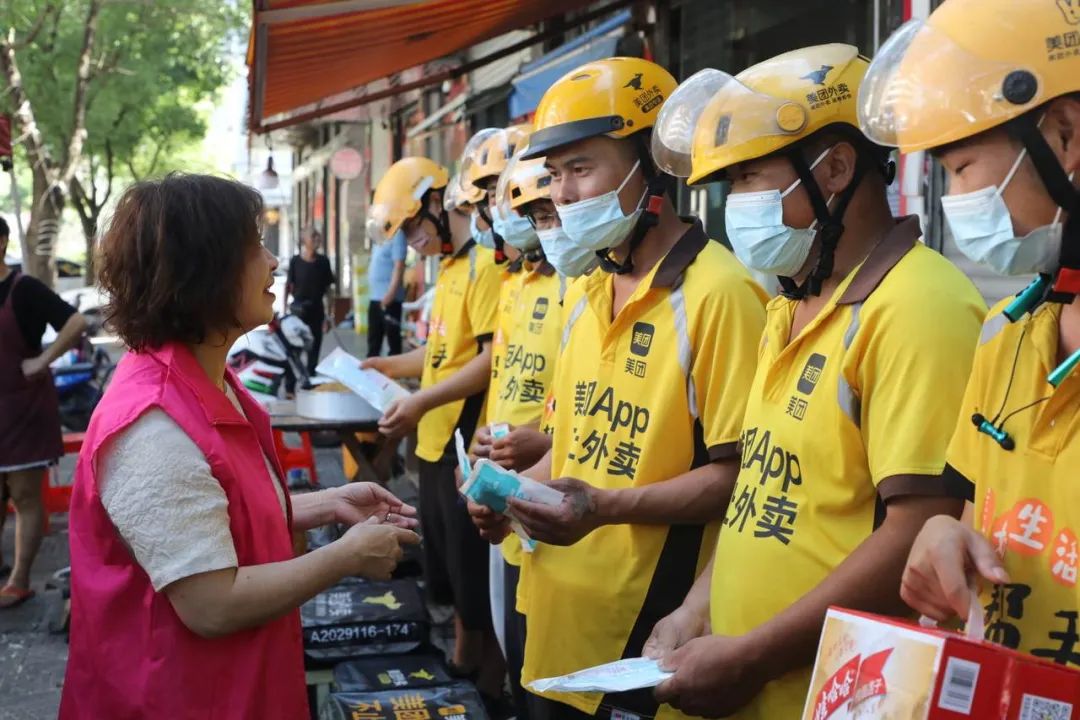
923,90
674,133
471,155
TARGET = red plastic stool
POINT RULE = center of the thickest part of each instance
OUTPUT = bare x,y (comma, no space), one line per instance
297,457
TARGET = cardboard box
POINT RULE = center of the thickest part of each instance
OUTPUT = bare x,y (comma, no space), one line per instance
870,666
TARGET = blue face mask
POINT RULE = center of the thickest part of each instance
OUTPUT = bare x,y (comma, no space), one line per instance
483,238
598,223
758,235
517,231
983,230
568,258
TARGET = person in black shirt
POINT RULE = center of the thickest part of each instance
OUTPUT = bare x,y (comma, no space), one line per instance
309,280
30,434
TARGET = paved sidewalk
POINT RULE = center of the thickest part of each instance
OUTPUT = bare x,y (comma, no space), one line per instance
31,658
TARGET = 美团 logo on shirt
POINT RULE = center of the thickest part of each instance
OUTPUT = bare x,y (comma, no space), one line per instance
540,309
811,374
642,339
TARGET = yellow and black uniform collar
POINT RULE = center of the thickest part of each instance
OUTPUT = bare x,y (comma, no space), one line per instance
896,243
464,249
669,274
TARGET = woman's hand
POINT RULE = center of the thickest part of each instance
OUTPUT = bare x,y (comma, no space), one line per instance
943,566
357,502
373,549
35,366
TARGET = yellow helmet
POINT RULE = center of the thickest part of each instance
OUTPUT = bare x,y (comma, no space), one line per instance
522,182
399,194
971,66
714,120
491,156
461,194
616,97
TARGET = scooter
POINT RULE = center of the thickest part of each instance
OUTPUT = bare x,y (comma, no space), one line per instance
272,353
80,376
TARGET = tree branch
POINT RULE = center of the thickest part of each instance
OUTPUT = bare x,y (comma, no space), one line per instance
80,200
49,46
82,79
109,176
92,178
30,134
158,148
32,33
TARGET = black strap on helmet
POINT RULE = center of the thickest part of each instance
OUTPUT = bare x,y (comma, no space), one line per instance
500,244
830,223
1066,282
656,187
441,223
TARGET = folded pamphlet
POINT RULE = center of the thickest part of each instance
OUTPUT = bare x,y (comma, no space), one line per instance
618,676
375,388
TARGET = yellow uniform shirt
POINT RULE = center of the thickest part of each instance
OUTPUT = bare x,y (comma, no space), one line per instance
463,317
529,361
641,398
854,411
1027,500
510,278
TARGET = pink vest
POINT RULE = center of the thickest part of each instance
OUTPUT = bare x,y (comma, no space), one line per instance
131,656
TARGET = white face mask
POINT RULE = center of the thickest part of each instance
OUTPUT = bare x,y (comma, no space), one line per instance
598,223
758,235
517,231
567,257
983,230
483,238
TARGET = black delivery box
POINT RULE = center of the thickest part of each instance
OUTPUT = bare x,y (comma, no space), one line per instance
457,701
357,618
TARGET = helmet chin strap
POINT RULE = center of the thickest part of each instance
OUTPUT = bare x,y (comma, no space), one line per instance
500,244
830,226
442,227
1064,285
441,223
656,186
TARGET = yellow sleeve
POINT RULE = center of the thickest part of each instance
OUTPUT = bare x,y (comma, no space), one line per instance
725,350
963,451
915,357
482,299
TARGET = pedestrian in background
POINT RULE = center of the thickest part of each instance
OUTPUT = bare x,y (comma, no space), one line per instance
30,438
309,280
386,291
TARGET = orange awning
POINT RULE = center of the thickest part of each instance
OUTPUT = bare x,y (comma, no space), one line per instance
305,51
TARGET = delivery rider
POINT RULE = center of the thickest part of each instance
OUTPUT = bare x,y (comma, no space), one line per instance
655,358
858,375
485,157
520,395
1004,121
454,367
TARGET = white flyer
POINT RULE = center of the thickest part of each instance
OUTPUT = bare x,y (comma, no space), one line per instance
375,388
618,676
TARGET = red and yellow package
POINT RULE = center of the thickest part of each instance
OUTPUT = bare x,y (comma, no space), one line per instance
869,666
